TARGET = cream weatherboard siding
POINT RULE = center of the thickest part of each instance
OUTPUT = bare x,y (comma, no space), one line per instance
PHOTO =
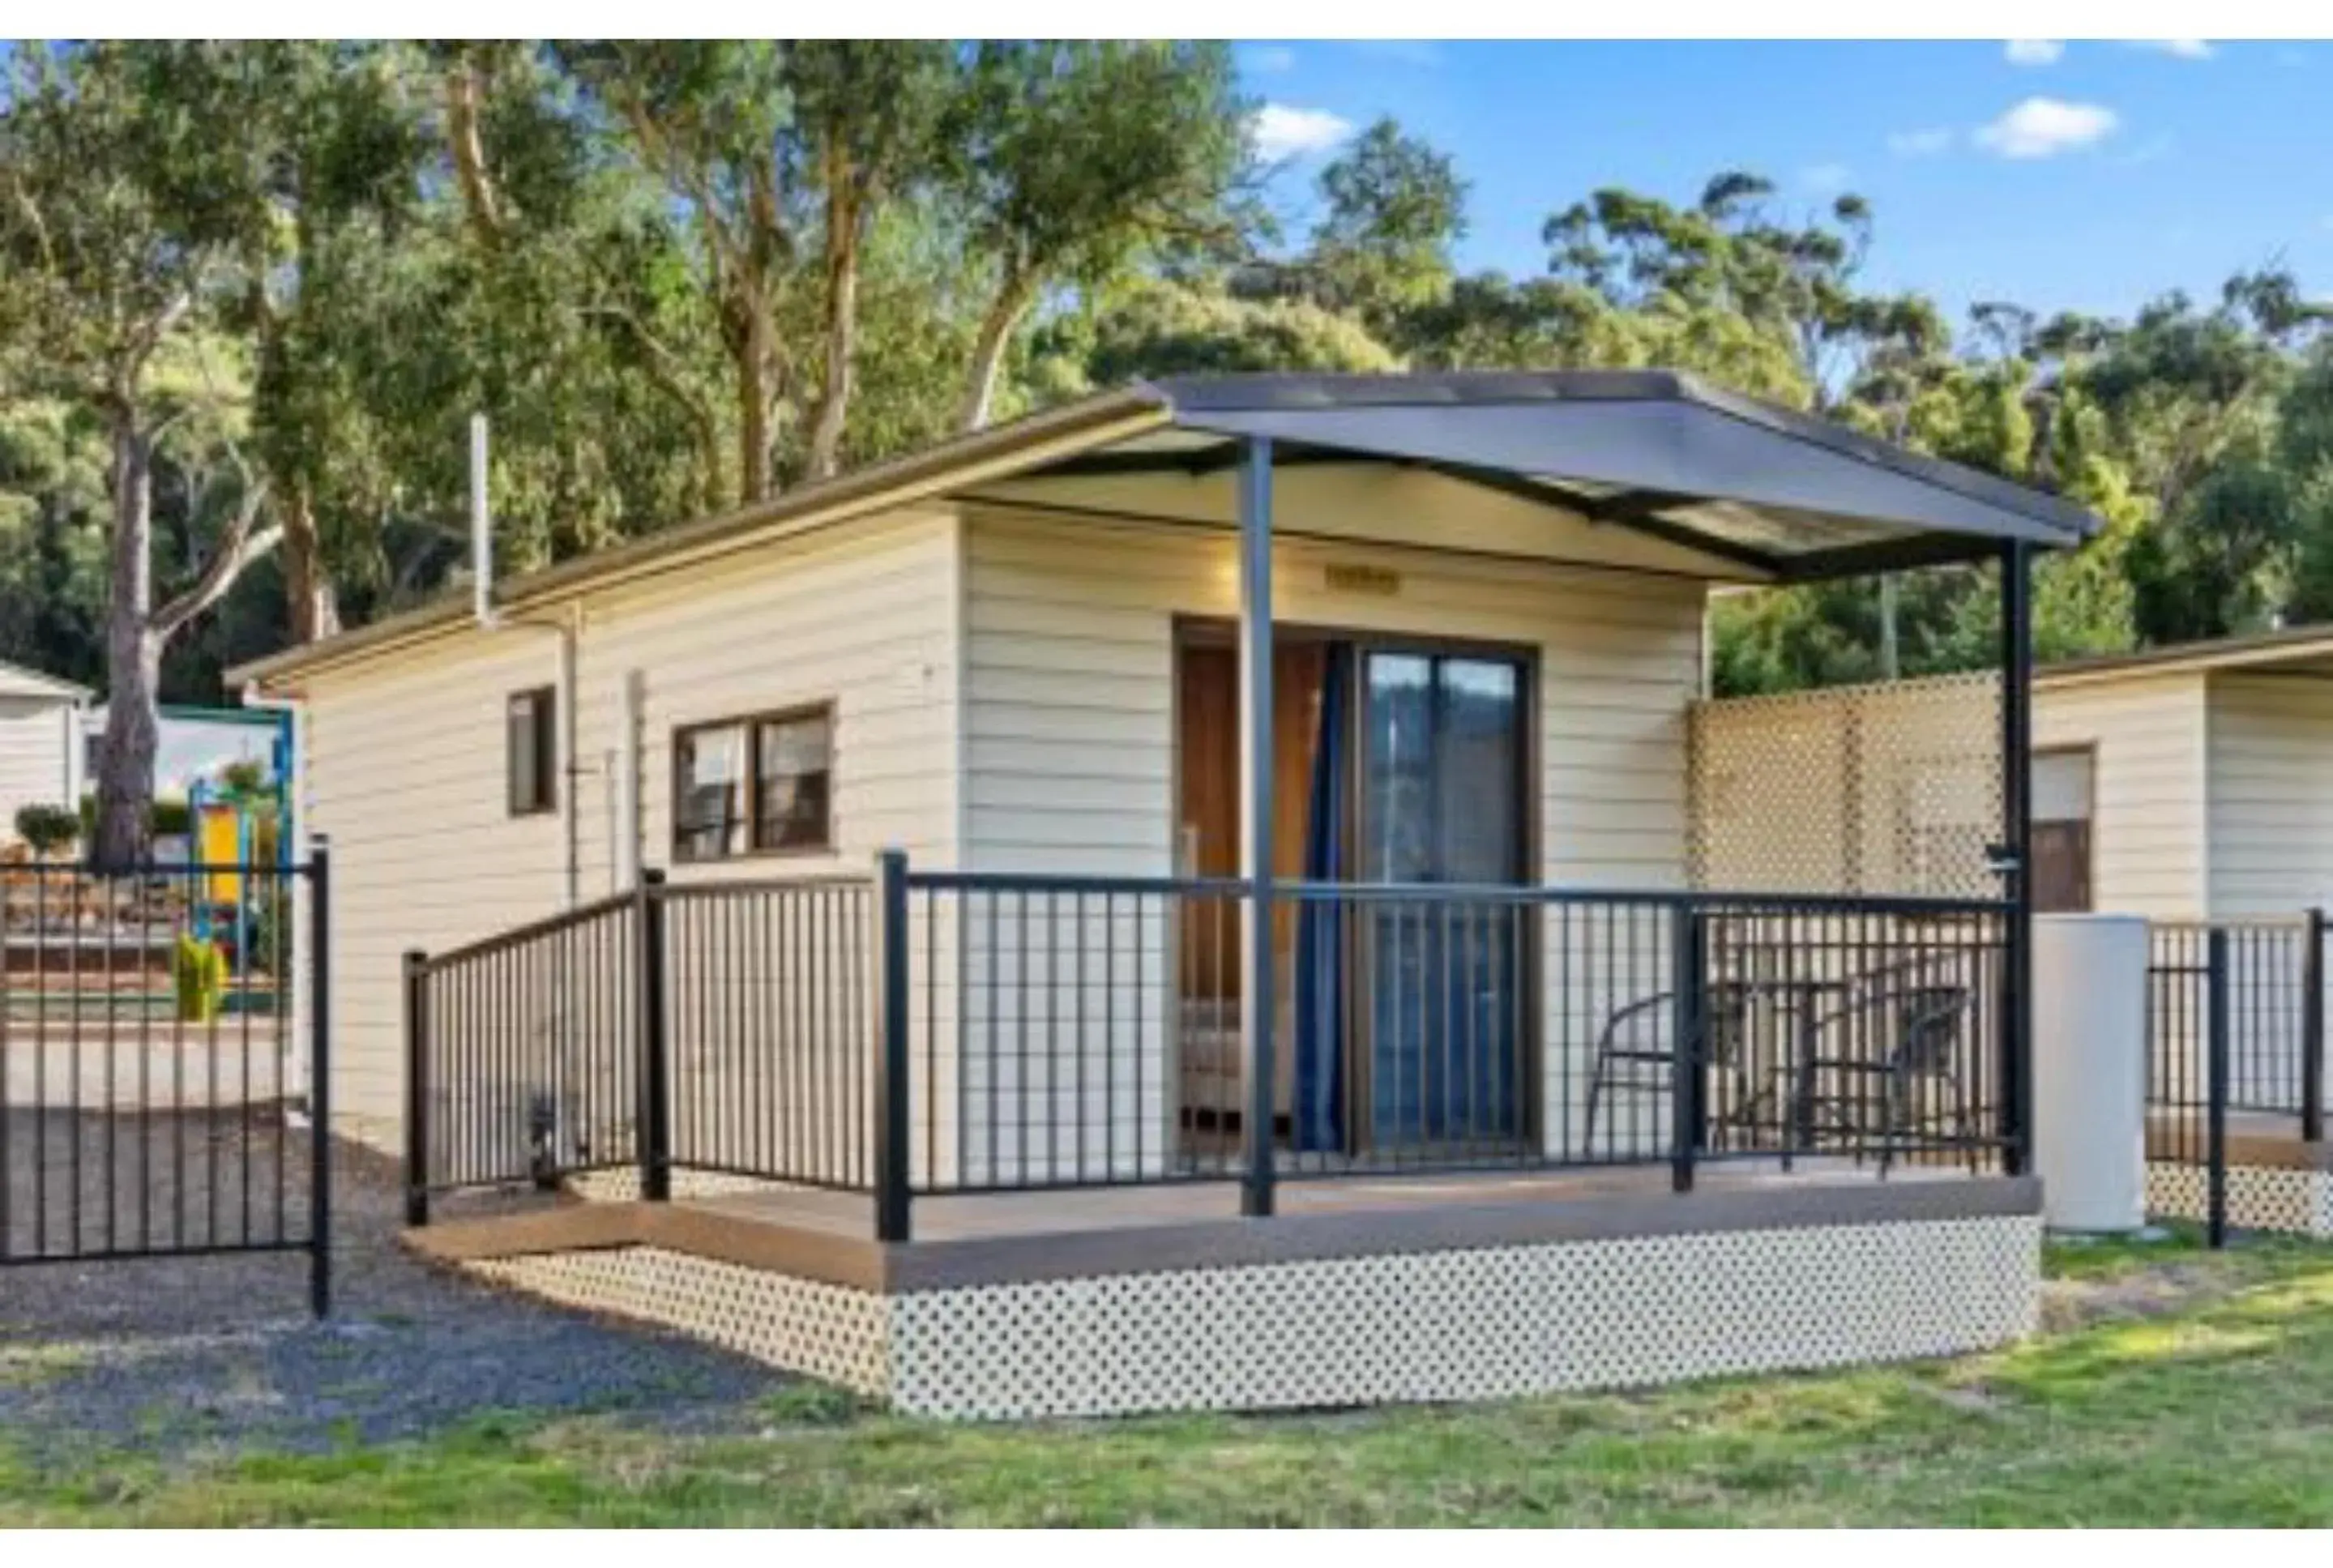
1070,686
1069,741
2271,794
2147,846
406,752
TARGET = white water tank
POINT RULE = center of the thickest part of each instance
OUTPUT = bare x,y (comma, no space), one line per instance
2089,1071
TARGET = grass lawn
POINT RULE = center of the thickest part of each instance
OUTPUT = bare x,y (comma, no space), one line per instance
2175,1387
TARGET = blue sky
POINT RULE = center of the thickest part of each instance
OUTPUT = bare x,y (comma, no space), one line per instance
2087,175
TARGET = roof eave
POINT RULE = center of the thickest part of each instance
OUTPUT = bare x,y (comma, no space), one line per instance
931,472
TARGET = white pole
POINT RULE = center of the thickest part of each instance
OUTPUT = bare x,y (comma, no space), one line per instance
625,759
482,527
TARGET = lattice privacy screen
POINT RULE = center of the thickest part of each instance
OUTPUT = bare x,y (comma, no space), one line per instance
1893,787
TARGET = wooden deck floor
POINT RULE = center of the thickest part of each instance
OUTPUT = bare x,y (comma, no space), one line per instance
1023,1214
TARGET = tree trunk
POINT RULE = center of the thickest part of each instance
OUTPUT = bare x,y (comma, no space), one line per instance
468,148
754,435
988,351
825,424
315,610
133,657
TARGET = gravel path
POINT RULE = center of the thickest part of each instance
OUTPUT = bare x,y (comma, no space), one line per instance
177,1356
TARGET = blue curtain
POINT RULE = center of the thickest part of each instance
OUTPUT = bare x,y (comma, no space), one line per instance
1319,928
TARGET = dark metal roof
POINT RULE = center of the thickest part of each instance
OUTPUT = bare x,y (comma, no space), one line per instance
1663,451
1782,494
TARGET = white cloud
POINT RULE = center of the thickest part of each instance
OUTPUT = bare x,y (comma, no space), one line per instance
1282,131
1399,51
1926,142
1826,177
2046,127
1272,59
2185,48
2033,50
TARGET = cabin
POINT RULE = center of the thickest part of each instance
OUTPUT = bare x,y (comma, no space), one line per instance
1190,898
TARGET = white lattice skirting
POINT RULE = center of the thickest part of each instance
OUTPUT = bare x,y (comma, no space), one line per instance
1468,1324
2259,1196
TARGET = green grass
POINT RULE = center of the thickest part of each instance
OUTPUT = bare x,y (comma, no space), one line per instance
2197,1389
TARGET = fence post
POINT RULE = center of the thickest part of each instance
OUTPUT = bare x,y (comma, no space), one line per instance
653,1136
320,1076
1686,955
893,1193
2215,1089
2313,1030
417,1087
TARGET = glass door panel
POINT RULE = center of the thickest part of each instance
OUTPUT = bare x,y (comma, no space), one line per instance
1442,781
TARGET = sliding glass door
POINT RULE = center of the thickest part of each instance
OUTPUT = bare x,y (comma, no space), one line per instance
1441,764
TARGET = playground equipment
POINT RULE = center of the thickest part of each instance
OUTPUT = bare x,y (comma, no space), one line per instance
225,841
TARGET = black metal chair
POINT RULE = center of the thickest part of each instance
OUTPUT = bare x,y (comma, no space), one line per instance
1897,1033
1635,1054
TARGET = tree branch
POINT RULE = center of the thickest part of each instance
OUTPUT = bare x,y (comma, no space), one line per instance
467,143
236,549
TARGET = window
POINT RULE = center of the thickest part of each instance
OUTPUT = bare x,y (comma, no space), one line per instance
531,728
749,784
2062,808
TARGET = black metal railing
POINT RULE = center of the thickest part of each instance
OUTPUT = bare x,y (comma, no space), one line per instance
927,1033
2235,1028
716,1027
1080,1031
151,1062
769,1031
523,1059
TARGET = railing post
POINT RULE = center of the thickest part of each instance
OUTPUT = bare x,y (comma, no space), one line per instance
653,1134
320,1076
2015,862
2312,1029
417,1087
1259,968
893,1191
1686,954
2215,1088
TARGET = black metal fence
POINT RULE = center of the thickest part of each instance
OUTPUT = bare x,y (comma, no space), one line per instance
2235,1042
149,1063
716,1027
944,1033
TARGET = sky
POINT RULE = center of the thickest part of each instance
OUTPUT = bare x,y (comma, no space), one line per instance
2076,176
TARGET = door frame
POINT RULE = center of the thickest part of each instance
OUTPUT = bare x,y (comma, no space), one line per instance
1217,632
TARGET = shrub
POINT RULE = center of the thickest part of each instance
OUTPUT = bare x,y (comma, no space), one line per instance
47,828
168,817
198,975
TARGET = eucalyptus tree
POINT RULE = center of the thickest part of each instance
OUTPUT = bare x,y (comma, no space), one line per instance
1075,159
126,196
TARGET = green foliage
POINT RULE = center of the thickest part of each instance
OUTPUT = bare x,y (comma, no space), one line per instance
197,978
676,274
168,816
47,828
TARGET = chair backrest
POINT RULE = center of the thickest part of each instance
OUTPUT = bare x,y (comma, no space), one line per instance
1927,1023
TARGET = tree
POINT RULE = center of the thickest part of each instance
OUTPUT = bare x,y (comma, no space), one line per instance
127,189
1078,157
1394,208
338,151
1159,328
870,114
713,120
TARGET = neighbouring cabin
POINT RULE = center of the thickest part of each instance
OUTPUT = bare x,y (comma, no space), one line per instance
2184,784
1234,797
40,721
